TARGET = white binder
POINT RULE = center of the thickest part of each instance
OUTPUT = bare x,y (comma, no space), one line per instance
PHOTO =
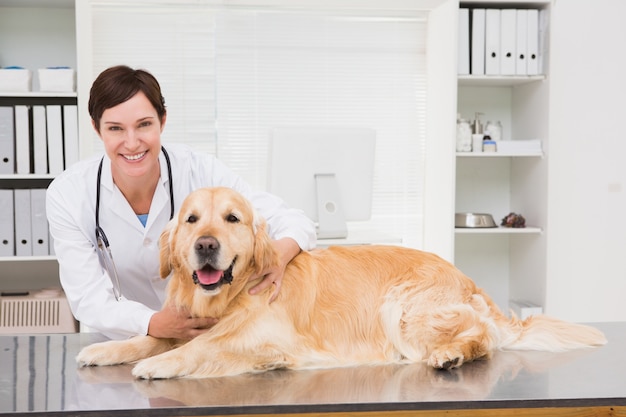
7,140
521,51
508,20
532,64
40,140
55,138
492,42
478,42
23,230
39,222
7,224
70,133
544,20
464,42
22,140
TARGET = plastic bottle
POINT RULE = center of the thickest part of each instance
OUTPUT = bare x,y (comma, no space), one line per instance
489,145
463,135
477,134
495,130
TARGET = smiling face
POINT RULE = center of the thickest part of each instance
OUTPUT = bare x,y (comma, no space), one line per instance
131,133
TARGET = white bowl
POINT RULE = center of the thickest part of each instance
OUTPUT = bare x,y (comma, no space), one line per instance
474,220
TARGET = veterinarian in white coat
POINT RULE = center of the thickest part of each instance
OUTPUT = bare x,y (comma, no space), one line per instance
138,178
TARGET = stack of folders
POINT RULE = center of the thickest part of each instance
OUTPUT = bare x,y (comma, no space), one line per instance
38,139
23,223
501,41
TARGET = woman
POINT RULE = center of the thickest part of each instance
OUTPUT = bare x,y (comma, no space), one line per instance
130,194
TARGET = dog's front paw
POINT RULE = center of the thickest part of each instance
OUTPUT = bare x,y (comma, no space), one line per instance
99,354
159,367
445,358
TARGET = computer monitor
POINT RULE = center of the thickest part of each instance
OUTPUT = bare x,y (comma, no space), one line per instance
325,171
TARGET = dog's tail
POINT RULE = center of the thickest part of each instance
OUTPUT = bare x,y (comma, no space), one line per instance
544,333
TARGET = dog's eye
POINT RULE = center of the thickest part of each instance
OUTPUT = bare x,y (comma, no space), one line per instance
231,218
192,218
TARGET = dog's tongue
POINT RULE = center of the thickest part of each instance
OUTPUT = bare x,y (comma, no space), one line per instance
209,276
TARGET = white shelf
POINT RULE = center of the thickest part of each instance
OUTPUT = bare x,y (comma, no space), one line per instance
27,258
499,154
38,3
498,230
504,3
37,94
498,80
27,176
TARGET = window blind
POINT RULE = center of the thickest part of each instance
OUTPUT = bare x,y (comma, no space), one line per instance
229,74
176,44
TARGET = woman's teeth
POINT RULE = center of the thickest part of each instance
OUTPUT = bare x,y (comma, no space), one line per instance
134,157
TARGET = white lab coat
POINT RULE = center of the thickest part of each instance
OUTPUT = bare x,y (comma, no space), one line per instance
70,207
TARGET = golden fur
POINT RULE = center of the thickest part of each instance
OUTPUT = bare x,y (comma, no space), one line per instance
337,307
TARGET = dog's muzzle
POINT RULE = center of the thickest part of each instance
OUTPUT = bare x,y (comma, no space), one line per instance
211,279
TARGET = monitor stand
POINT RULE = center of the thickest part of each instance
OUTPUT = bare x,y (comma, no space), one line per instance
332,221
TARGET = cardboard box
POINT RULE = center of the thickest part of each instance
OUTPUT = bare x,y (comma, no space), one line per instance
57,80
15,79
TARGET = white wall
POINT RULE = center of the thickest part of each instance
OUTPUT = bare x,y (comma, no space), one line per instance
586,278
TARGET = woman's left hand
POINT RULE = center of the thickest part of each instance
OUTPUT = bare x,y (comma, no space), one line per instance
287,249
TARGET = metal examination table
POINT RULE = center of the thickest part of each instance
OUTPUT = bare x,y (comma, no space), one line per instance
38,376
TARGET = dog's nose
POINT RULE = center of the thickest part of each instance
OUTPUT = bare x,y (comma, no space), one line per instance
206,245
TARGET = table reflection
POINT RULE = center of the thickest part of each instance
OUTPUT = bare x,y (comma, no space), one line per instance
365,384
39,373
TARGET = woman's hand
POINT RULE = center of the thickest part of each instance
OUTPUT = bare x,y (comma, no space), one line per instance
177,323
287,249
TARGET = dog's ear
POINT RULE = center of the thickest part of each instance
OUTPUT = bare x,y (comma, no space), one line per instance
165,249
265,256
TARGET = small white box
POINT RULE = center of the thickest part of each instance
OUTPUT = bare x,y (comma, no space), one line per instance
525,309
57,79
15,79
530,145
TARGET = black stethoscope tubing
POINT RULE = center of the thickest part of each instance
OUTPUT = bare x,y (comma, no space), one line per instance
99,231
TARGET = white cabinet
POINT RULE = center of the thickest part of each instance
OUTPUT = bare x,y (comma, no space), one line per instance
507,263
34,34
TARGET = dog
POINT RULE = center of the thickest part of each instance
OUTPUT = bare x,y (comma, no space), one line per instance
337,307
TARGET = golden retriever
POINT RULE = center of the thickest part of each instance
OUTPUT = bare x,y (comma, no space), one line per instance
340,306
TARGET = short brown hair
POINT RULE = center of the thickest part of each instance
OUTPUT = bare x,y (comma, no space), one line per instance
117,84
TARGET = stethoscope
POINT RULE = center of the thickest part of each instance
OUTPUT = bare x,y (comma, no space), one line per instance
104,252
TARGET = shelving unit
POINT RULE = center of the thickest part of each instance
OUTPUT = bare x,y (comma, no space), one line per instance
34,34
508,263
